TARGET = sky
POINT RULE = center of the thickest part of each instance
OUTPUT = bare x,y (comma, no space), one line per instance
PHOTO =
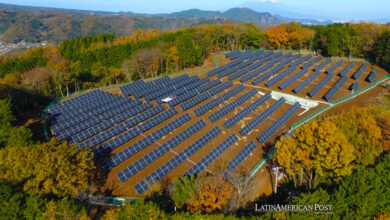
333,7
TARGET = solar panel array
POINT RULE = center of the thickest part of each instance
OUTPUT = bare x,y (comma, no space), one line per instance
360,71
163,170
372,76
212,156
260,118
263,138
238,117
115,159
231,106
241,156
157,153
103,121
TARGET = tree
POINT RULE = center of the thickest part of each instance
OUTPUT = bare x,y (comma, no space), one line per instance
316,149
381,51
188,55
360,127
64,209
50,168
140,210
278,37
213,194
183,190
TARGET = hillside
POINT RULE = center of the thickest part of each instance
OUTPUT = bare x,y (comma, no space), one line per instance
36,24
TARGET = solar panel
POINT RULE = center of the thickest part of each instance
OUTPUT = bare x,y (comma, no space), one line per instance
280,76
344,72
335,66
238,117
292,79
157,153
306,82
263,138
241,156
212,156
158,174
360,71
117,129
266,75
311,63
246,70
133,132
234,69
372,76
115,159
332,91
354,87
319,86
239,101
260,118
322,65
215,102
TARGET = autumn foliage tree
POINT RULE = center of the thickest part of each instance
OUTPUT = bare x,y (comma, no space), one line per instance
50,168
316,150
213,193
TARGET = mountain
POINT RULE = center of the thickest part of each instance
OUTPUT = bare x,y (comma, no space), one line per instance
36,24
237,14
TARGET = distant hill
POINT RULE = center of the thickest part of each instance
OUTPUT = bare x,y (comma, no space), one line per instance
35,24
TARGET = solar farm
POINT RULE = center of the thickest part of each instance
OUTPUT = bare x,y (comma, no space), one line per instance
172,127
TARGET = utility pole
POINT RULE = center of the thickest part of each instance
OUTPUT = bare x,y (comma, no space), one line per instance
276,171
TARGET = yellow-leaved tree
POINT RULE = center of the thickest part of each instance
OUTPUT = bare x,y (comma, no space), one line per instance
315,150
50,168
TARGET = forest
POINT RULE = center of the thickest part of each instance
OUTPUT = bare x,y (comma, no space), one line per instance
60,69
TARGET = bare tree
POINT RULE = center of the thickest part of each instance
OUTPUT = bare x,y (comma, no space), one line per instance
147,62
243,184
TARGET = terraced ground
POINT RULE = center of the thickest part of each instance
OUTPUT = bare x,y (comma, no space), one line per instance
187,125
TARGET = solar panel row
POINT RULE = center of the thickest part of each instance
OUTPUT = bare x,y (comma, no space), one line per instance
110,123
239,101
292,79
323,64
118,158
332,91
303,59
311,63
360,71
344,72
306,82
119,128
133,132
159,173
241,156
157,153
272,60
260,118
215,102
280,76
234,69
238,117
212,156
263,138
319,86
269,73
335,66
246,70
354,87
372,76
